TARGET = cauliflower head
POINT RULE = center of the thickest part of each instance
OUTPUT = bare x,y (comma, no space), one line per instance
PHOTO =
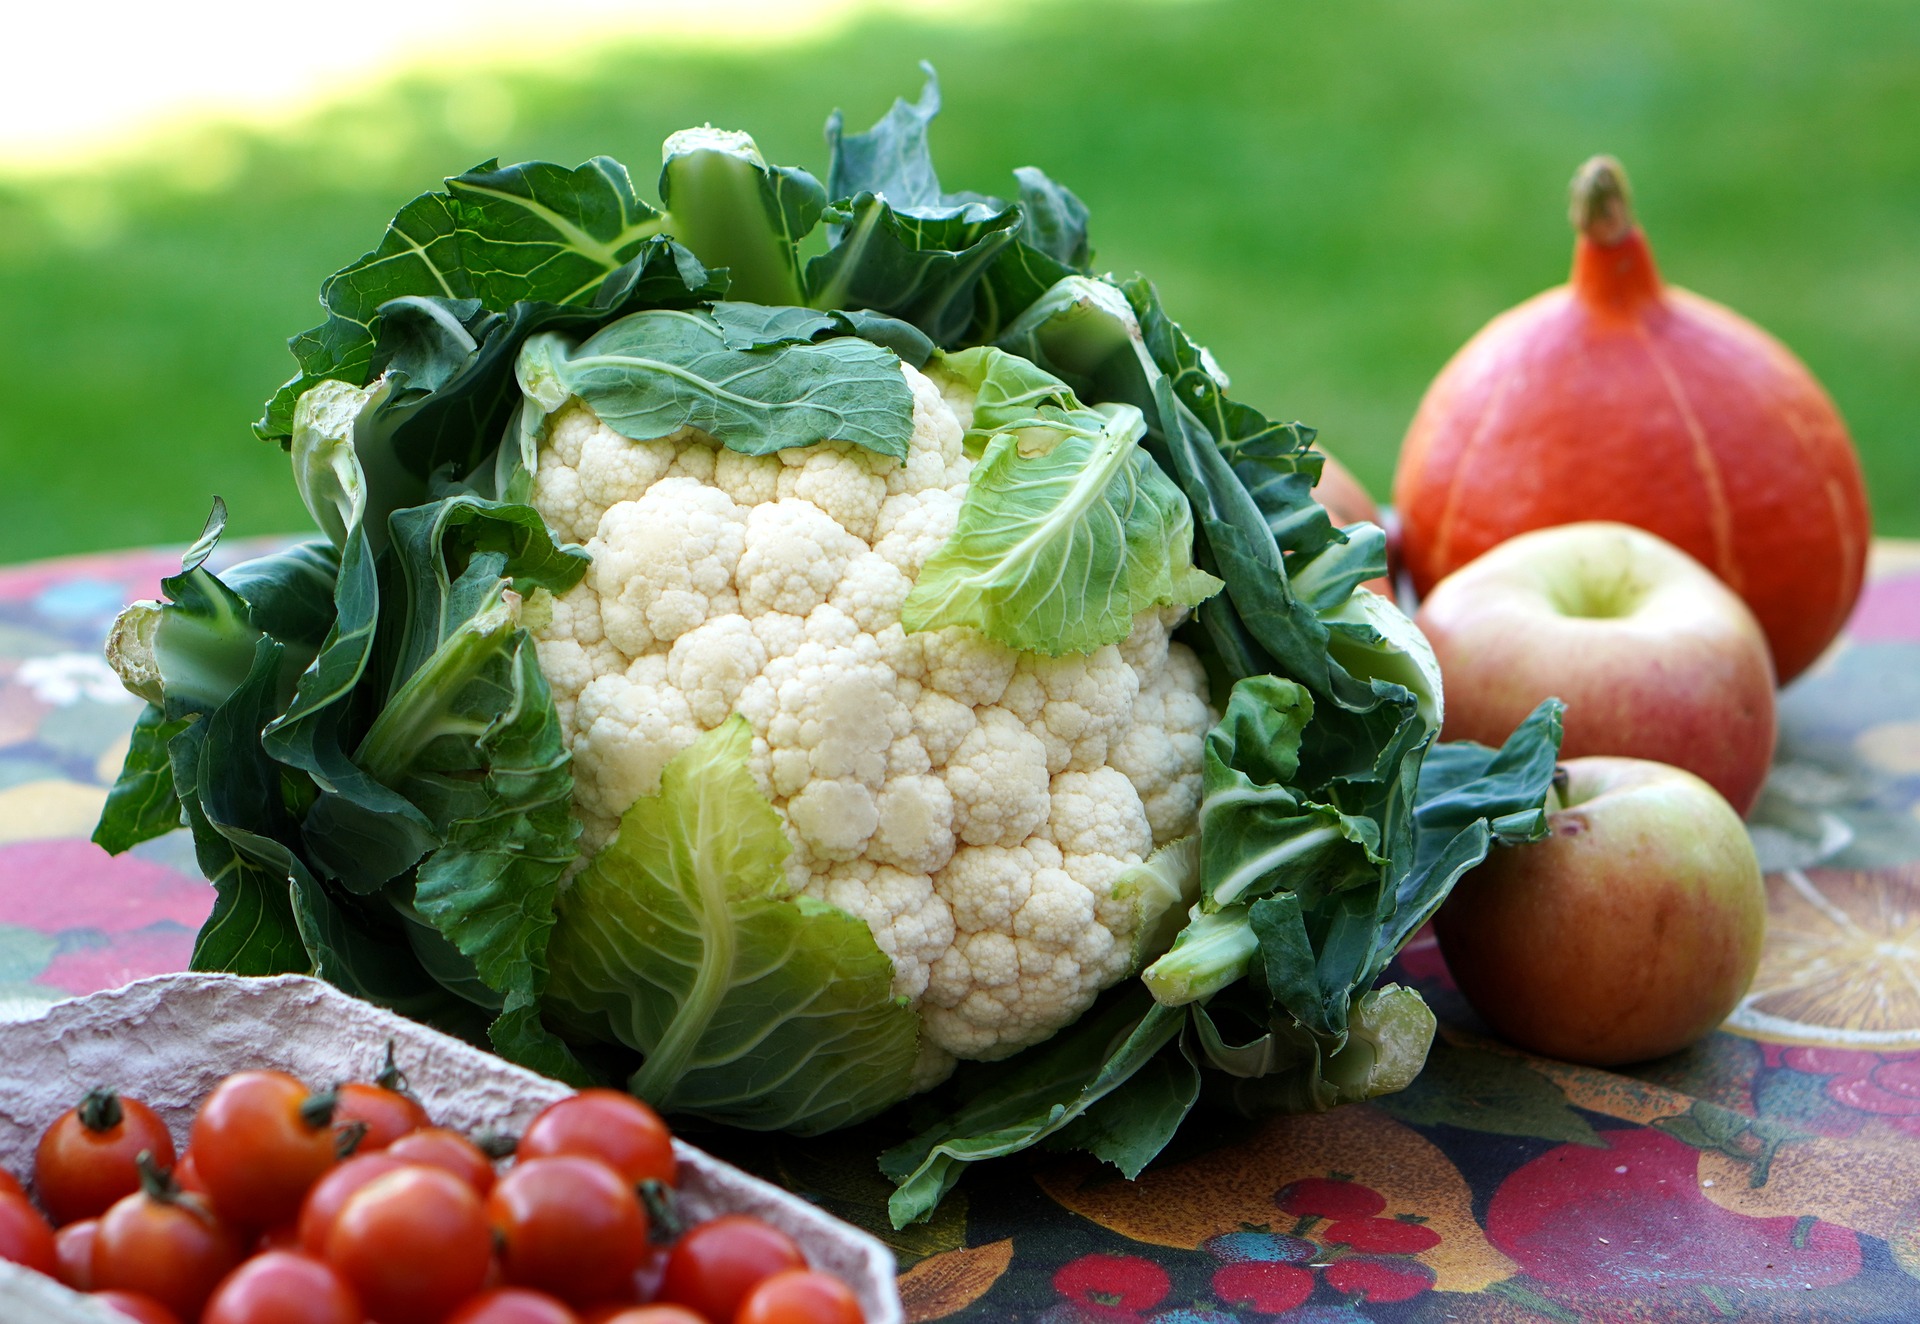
974,805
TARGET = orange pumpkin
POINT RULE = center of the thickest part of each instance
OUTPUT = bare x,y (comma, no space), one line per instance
1618,397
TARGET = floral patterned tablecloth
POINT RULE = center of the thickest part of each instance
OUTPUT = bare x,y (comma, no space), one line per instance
1771,1173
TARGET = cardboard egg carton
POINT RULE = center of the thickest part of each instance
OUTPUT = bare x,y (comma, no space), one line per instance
168,1041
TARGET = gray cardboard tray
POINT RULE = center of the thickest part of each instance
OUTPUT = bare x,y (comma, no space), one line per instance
167,1041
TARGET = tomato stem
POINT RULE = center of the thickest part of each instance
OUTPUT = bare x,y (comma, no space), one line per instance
99,1110
317,1109
157,1185
664,1224
391,1077
496,1144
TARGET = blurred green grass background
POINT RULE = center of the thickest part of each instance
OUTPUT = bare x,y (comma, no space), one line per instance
1332,196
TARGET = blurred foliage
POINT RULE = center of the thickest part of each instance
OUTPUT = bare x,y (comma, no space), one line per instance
1333,196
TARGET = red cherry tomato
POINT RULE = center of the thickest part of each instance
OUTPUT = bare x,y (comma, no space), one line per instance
284,1237
85,1161
135,1306
25,1237
331,1193
262,1139
438,1148
715,1265
170,1248
10,1185
385,1115
653,1314
570,1226
615,1128
283,1288
413,1244
514,1305
186,1175
801,1296
73,1247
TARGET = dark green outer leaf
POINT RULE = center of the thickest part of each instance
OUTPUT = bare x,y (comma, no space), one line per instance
1133,1123
1007,1107
1491,1092
531,232
755,326
142,804
1056,221
446,413
444,682
289,594
1470,798
252,930
651,374
1019,275
903,338
923,270
490,889
890,158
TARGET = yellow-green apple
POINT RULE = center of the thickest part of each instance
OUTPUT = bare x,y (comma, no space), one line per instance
1655,657
1628,932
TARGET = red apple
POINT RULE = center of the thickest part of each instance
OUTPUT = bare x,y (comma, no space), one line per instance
1655,657
1630,931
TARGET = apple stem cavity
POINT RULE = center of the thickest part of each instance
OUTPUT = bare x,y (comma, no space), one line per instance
1586,597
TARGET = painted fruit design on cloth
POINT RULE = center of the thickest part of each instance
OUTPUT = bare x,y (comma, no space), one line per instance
1375,1278
1265,1286
1112,1287
1329,1197
1254,1246
1631,1219
1841,966
1339,1237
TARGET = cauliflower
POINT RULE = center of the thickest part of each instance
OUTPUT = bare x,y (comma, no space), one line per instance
752,675
974,805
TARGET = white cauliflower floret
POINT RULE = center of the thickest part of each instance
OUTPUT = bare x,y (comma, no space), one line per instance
1161,751
628,728
794,556
664,563
972,805
712,664
913,526
910,922
842,483
1075,704
998,777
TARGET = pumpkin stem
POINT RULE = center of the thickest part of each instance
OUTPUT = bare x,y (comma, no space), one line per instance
1601,204
1613,269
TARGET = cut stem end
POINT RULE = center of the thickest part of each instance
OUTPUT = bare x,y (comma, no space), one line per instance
1600,203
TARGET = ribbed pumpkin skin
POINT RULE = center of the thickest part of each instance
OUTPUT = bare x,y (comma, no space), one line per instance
1616,397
